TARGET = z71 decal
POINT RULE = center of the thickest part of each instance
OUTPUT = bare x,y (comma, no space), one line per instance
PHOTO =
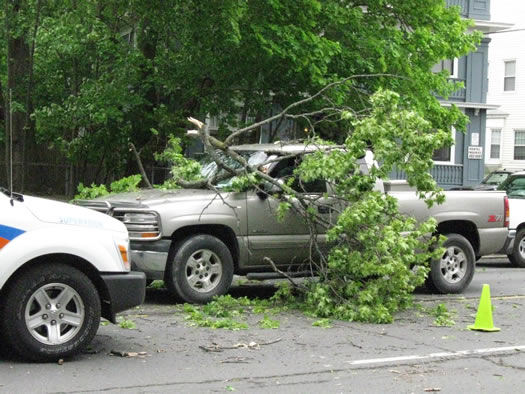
7,234
495,218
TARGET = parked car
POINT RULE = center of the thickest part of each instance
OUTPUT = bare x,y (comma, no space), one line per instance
514,186
493,180
62,268
195,240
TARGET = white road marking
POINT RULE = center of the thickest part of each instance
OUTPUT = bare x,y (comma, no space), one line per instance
460,353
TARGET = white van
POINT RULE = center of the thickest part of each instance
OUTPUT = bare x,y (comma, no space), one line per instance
62,267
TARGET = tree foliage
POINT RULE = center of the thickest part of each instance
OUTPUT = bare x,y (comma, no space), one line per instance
108,73
371,268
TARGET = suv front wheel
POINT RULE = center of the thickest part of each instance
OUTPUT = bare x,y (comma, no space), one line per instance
199,268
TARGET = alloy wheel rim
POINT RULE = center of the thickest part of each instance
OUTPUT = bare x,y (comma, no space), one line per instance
203,270
453,264
521,247
54,314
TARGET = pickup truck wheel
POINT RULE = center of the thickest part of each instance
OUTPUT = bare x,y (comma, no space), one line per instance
201,268
453,272
51,311
517,258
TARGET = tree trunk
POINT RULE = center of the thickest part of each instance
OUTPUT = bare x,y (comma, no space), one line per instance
18,66
147,39
3,117
6,103
28,136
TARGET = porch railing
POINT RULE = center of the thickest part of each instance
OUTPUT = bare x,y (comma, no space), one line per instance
460,94
446,175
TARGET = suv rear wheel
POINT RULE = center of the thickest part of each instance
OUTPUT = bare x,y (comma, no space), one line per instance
453,272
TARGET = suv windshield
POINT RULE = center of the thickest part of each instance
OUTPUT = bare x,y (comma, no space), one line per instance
209,168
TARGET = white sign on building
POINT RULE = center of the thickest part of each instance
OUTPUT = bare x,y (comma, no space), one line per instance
475,152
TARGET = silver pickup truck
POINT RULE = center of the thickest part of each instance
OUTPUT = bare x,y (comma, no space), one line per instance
197,239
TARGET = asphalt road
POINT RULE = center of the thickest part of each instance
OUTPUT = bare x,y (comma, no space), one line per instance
412,355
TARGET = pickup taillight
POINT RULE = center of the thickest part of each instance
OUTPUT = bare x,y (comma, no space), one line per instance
507,211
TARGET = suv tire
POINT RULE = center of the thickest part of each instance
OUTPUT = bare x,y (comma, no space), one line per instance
453,272
517,257
199,268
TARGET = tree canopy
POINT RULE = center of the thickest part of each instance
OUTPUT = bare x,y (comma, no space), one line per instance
89,77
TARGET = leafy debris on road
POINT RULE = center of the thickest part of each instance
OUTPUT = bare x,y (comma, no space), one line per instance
127,323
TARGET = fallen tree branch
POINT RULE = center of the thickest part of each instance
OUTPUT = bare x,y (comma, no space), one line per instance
141,167
216,348
282,273
236,360
319,93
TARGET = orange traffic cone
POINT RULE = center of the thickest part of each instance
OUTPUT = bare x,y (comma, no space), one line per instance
484,316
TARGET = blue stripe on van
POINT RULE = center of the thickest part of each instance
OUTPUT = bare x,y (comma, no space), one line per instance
9,233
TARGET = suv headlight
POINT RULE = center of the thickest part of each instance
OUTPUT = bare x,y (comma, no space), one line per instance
141,225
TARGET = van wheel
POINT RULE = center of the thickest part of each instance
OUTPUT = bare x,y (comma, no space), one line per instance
199,268
453,272
517,258
51,311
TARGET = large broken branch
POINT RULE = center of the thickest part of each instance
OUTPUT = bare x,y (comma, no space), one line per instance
141,167
228,141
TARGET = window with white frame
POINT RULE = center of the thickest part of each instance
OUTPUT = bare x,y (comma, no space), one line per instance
495,143
450,65
519,144
509,79
213,122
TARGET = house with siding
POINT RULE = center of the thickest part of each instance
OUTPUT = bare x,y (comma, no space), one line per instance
463,163
505,141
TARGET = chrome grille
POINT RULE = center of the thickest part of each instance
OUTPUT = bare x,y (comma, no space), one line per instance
142,224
